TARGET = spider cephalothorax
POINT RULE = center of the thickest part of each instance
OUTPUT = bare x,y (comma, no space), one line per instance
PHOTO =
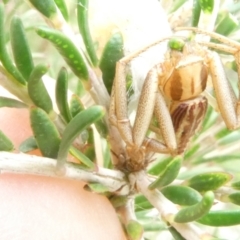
173,94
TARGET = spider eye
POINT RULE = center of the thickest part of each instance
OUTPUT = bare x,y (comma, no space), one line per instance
176,44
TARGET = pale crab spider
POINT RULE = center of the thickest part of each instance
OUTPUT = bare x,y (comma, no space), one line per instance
173,94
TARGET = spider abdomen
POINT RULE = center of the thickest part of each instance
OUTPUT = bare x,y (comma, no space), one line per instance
187,118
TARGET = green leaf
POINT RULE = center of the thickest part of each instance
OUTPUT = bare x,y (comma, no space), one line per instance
82,15
89,149
196,13
176,5
141,203
175,233
13,103
4,56
28,145
45,7
208,181
61,94
21,51
76,105
36,89
63,8
168,175
67,49
102,128
194,212
181,195
82,158
80,122
118,201
45,132
96,188
236,185
227,24
159,167
221,218
207,6
222,133
191,151
5,143
234,198
134,230
232,65
112,52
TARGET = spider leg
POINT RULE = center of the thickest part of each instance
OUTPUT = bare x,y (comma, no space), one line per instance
145,107
165,123
118,108
228,103
229,45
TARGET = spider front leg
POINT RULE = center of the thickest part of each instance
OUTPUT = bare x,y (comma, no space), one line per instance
228,103
133,136
151,100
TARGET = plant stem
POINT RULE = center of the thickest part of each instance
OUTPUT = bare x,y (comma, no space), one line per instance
28,164
166,209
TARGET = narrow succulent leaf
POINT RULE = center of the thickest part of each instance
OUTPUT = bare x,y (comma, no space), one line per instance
5,143
13,103
141,203
36,89
234,198
168,175
221,218
209,181
191,151
176,5
4,56
82,15
153,226
229,138
89,149
102,128
176,235
210,119
28,145
45,7
112,52
76,105
96,188
118,201
232,65
218,158
181,195
196,13
67,49
61,94
134,230
45,132
80,122
21,51
61,4
236,185
207,6
159,167
82,158
227,24
194,212
222,133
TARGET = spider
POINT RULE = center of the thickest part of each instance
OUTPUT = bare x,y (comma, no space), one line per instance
173,94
